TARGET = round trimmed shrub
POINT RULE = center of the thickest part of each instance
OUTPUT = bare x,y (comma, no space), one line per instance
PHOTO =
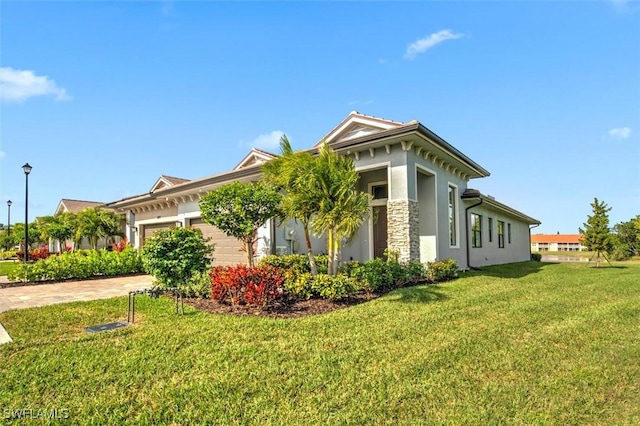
174,255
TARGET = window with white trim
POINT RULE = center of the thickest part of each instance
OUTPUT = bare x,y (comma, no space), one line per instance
453,209
476,230
500,234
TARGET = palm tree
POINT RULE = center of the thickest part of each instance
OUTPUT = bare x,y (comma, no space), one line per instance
60,227
290,174
342,208
95,223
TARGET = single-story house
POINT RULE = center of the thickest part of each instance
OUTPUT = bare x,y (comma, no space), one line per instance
422,205
73,206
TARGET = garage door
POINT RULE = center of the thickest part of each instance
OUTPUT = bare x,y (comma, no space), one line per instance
227,249
149,230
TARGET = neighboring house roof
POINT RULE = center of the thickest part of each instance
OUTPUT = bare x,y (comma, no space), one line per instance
255,157
75,206
165,181
556,238
471,194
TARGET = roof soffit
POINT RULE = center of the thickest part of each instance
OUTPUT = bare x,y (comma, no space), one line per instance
412,139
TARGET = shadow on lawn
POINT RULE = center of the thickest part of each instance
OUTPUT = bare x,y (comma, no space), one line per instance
420,294
509,270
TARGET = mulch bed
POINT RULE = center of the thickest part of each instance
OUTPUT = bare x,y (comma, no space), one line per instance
285,309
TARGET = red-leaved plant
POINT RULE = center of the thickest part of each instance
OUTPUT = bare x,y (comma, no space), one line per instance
35,254
120,245
241,285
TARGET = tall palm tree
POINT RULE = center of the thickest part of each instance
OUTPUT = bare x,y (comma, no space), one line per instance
342,208
290,174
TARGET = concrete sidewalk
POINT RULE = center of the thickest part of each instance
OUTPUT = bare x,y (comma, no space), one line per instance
72,291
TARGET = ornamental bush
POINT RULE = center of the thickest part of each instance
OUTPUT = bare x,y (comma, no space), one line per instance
244,285
334,287
199,285
298,263
381,276
299,286
173,255
79,265
8,254
442,270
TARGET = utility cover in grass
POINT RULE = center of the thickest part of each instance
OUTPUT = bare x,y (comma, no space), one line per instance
106,327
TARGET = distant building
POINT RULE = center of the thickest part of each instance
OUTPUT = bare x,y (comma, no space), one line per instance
556,242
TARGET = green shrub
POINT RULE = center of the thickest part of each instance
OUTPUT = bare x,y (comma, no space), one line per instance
80,265
536,257
334,287
8,254
172,256
377,275
374,275
621,252
198,285
414,271
298,263
299,285
442,270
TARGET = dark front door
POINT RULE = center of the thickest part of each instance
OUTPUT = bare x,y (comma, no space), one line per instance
379,231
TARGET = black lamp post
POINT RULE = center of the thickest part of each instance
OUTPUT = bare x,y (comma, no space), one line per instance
9,219
27,170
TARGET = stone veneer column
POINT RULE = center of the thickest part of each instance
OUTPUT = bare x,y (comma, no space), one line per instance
403,235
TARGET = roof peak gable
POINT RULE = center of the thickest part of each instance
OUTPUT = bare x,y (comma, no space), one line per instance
165,181
356,125
254,157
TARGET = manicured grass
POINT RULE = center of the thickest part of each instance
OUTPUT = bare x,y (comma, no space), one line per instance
7,266
530,343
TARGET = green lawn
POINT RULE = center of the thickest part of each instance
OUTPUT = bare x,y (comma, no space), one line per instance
7,265
531,343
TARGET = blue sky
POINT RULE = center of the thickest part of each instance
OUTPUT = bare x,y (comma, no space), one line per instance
103,97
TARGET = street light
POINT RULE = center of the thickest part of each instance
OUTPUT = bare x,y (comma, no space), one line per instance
8,219
27,170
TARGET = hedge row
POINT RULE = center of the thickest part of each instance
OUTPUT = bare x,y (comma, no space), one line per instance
81,264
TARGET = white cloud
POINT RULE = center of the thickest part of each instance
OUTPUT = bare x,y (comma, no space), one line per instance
268,142
425,43
620,132
20,85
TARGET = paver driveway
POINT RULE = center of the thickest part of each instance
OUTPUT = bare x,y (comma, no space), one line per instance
71,291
